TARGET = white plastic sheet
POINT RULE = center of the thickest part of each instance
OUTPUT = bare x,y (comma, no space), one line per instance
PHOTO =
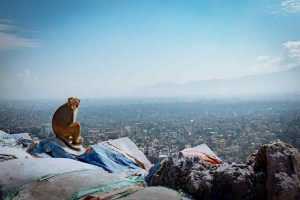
16,152
15,173
126,146
6,139
202,151
24,136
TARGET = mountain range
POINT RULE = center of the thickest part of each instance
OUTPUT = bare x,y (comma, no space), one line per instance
275,83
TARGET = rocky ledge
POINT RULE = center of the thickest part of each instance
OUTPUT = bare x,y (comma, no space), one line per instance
273,172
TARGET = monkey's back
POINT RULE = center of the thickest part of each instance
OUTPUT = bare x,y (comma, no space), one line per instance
63,116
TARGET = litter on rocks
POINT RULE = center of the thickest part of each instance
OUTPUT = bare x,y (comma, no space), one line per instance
48,169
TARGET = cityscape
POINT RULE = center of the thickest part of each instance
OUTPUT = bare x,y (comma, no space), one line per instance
233,129
144,100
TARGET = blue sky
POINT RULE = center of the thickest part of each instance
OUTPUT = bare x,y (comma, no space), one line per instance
54,49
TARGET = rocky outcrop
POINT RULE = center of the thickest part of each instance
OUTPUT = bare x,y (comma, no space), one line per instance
280,164
271,173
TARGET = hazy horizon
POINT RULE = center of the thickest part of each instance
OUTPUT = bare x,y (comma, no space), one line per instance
118,49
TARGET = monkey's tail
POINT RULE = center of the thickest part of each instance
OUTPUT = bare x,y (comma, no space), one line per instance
68,144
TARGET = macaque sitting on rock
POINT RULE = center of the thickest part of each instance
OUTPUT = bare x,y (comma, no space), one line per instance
64,123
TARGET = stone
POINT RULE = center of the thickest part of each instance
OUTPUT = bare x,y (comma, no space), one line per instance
280,162
272,172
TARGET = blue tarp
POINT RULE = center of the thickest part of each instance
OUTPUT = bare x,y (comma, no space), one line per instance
108,159
52,147
152,171
100,155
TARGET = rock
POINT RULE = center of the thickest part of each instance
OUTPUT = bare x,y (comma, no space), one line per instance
190,175
234,181
273,173
199,184
280,162
205,181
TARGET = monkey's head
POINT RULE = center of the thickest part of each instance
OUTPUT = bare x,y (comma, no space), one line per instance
73,103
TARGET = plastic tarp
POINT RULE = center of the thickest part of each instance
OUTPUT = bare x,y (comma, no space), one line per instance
148,193
14,139
24,136
109,159
114,156
23,139
13,153
75,186
128,147
152,171
203,152
52,147
92,184
155,193
6,139
15,173
9,148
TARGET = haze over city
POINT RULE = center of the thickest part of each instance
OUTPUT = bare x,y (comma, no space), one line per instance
150,99
96,49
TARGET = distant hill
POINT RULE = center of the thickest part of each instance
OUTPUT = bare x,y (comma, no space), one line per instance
276,83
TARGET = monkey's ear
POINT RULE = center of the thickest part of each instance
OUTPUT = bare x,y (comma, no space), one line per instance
70,99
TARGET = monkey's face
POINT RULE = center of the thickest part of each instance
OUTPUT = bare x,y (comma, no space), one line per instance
73,103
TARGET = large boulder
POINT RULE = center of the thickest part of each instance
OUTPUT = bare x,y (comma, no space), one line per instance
204,181
233,181
192,175
280,162
273,173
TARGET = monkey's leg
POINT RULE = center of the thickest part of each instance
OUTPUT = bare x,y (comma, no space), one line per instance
60,131
75,128
65,134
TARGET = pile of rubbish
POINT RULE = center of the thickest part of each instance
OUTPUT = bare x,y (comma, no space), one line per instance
117,169
47,169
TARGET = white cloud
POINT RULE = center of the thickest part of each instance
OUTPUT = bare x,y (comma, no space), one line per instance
291,6
289,58
10,39
268,64
293,48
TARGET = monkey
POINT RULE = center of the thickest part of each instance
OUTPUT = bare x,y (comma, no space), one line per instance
64,124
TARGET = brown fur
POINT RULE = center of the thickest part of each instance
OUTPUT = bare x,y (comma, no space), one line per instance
64,125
